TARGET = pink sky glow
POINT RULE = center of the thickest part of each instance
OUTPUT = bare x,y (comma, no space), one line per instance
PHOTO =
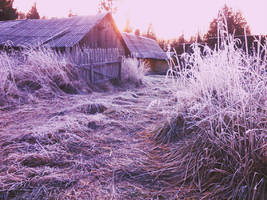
170,18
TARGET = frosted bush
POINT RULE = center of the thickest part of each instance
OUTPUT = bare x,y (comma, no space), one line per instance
26,72
133,70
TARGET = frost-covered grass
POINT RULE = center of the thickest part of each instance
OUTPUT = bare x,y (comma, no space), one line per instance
31,74
132,70
217,144
34,73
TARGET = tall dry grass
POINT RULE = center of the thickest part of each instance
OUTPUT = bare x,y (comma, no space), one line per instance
217,145
133,70
31,74
34,73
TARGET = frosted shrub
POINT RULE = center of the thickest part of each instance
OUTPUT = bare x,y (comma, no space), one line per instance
45,63
39,71
132,70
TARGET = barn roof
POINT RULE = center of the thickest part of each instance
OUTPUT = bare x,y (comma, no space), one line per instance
142,47
65,32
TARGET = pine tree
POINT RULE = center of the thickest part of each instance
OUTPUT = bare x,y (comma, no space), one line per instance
21,15
150,32
163,44
181,39
33,13
137,32
127,28
71,13
107,6
236,23
7,12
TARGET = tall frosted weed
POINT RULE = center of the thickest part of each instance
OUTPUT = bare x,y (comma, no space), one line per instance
133,70
33,71
220,131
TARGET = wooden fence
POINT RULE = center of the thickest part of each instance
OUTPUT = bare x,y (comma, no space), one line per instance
98,65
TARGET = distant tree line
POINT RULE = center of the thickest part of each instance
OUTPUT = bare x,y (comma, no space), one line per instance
235,23
107,6
33,13
149,33
7,12
228,21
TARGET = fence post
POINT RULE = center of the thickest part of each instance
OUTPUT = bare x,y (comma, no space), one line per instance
120,65
92,73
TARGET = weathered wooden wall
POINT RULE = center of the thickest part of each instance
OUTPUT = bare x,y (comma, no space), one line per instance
159,66
155,66
98,53
104,35
98,65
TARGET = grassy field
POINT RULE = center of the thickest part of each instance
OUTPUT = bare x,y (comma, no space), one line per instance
80,146
198,133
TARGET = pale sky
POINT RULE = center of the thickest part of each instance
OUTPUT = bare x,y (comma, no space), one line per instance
170,18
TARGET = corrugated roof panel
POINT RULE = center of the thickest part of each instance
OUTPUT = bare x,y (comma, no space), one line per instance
26,41
66,32
142,47
65,41
81,29
9,24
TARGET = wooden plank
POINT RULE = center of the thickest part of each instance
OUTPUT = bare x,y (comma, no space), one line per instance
92,74
119,75
97,65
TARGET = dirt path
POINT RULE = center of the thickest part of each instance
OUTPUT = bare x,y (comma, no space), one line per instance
79,147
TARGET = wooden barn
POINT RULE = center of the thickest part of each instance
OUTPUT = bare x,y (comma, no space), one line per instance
69,35
148,51
97,31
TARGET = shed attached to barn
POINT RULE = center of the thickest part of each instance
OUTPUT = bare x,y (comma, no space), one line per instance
97,31
148,51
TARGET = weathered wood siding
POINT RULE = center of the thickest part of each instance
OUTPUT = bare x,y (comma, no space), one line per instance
98,65
100,72
159,66
156,66
104,35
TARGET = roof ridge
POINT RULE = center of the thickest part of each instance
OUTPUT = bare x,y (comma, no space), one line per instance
61,18
138,36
